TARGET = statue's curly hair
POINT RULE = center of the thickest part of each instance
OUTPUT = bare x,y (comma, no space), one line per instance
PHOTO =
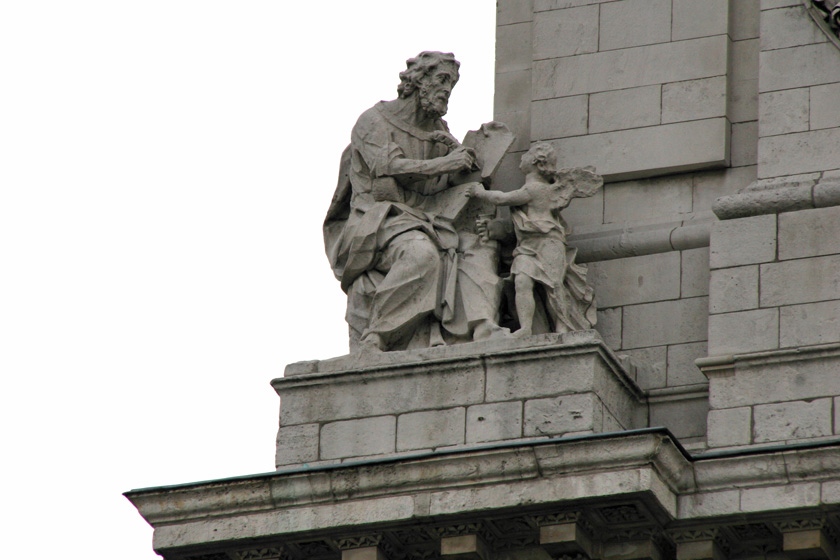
545,158
421,65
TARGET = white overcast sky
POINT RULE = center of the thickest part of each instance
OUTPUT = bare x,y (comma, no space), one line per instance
165,167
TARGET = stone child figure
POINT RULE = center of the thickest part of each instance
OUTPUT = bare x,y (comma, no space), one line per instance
541,257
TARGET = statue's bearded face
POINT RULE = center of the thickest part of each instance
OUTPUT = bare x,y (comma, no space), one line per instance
435,88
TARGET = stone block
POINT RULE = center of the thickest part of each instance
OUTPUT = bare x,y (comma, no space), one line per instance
744,144
665,322
733,289
648,199
824,113
562,415
792,420
513,47
531,375
783,112
743,81
513,11
626,68
773,4
565,32
494,422
729,427
803,152
519,123
798,67
631,23
583,212
743,241
681,369
808,324
708,504
357,438
559,118
430,429
685,418
744,331
464,547
788,27
744,20
364,553
693,19
796,380
809,233
296,445
774,498
636,279
694,99
694,279
711,185
651,364
609,327
512,92
645,152
800,281
627,108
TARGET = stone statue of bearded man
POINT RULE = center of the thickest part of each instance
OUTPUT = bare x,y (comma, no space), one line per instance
413,279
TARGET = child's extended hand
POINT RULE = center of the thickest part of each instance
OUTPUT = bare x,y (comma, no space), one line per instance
482,228
474,190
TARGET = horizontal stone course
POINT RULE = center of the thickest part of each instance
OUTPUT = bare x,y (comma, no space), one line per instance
809,324
636,279
788,27
800,281
744,331
743,241
431,429
729,427
494,422
631,23
513,47
559,118
797,67
783,112
809,233
565,32
647,199
733,289
802,152
693,100
792,420
681,369
693,19
363,436
626,108
665,322
561,415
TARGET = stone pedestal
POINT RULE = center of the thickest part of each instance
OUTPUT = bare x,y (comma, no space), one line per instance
443,398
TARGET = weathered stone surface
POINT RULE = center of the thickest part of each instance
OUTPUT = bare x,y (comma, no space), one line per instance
297,444
743,331
711,185
565,32
729,427
655,150
513,92
811,323
733,289
630,201
744,21
709,504
699,19
694,280
800,281
356,438
627,108
626,68
514,11
776,498
743,241
792,420
609,327
430,429
585,212
494,422
559,118
802,152
743,81
809,233
681,368
685,419
694,99
783,112
636,279
798,67
651,365
665,322
561,415
824,113
788,27
744,144
631,23
513,47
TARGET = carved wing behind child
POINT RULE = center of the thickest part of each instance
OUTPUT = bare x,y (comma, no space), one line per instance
582,182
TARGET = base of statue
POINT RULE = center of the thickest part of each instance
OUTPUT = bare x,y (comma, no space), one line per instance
504,390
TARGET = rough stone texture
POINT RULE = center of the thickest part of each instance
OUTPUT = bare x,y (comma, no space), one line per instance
802,152
734,289
729,427
686,418
780,497
430,429
565,32
824,113
694,279
651,365
811,323
561,415
710,185
783,112
681,368
788,27
744,241
744,331
665,322
809,233
800,281
297,444
798,67
632,23
694,99
559,118
636,279
792,420
627,108
494,422
631,201
355,438
609,327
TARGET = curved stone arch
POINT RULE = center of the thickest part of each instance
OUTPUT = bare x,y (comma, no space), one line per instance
822,16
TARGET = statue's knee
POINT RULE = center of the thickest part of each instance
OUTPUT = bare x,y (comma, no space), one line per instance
523,283
423,254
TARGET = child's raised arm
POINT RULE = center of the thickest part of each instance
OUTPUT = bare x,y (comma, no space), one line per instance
513,198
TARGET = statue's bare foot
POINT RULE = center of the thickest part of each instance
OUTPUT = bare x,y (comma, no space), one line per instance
435,337
489,331
522,333
371,343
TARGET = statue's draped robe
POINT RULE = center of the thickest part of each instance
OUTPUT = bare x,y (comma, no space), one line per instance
381,229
